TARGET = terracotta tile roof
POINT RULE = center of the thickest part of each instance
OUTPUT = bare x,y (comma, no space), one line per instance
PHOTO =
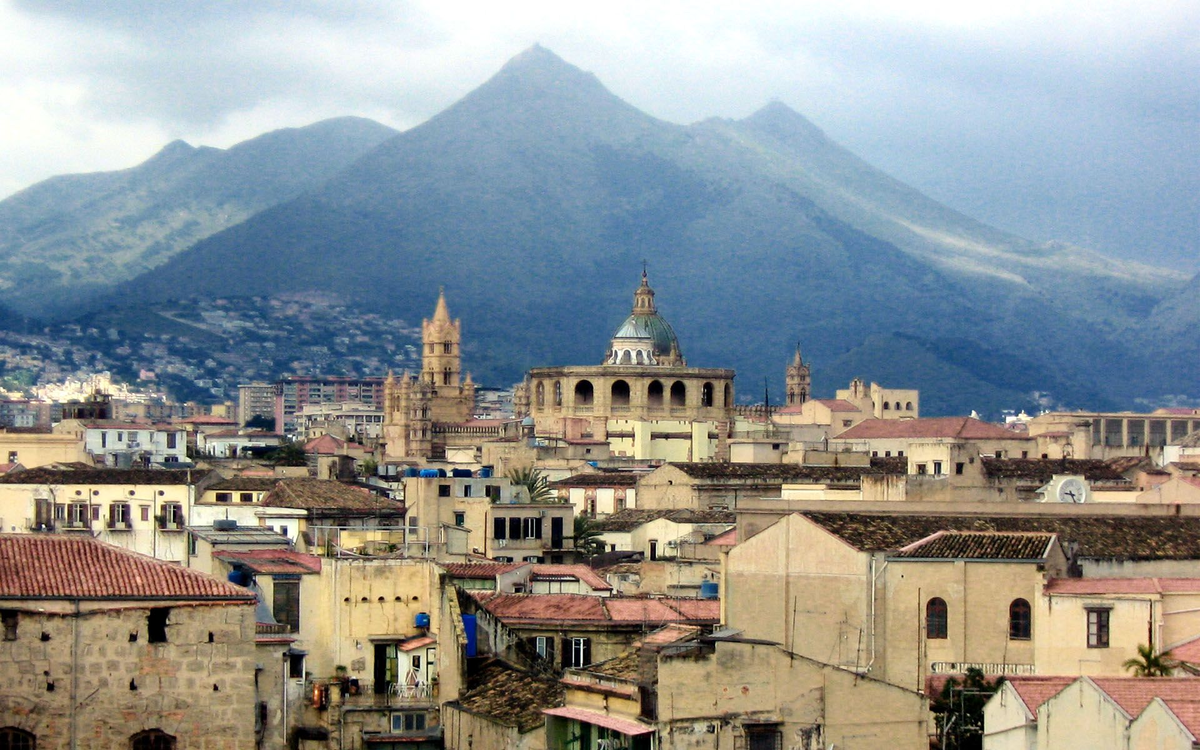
631,518
480,570
1122,586
533,609
204,419
615,723
115,424
582,573
510,696
1188,713
71,567
672,633
1107,537
724,539
330,496
414,643
1187,466
326,444
774,473
1133,694
1036,690
1188,651
979,545
958,428
47,475
623,667
272,561
599,479
1123,464
256,484
1042,470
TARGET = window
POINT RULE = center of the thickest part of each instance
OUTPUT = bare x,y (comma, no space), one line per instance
959,467
460,518
533,559
78,515
8,618
466,490
514,528
1097,628
580,653
935,618
103,439
172,440
922,469
499,528
443,490
296,666
544,647
145,512
246,497
224,497
447,348
156,624
533,528
12,457
763,737
120,515
1019,620
937,468
172,516
286,602
152,739
408,722
12,738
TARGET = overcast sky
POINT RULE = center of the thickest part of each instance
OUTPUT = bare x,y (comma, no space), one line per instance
1077,121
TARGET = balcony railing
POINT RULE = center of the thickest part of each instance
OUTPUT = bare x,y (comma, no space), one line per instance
120,524
76,525
994,668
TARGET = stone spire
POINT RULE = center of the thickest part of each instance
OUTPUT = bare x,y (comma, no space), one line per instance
643,298
442,313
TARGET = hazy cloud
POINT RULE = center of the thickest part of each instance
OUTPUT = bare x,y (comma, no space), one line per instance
1066,120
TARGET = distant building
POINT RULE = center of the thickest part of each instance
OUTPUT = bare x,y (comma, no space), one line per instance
293,393
255,400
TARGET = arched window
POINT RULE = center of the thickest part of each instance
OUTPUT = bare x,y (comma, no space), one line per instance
654,394
1020,620
584,393
152,739
446,376
728,402
558,393
935,618
626,357
540,398
897,406
620,393
886,406
641,360
447,348
678,393
908,406
706,394
12,738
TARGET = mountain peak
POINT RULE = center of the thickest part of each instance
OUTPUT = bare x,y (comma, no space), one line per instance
538,66
781,121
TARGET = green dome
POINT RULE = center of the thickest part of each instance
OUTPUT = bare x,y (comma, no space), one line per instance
644,337
649,326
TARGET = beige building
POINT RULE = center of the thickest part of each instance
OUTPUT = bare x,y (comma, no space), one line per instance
503,711
1111,434
1010,717
107,648
643,379
34,449
598,493
1122,714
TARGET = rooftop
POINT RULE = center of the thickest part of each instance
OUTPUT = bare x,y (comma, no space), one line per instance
1042,470
72,567
599,479
255,484
776,473
1036,690
581,573
259,535
511,696
1109,537
1133,694
957,428
480,570
272,561
631,518
1122,586
47,475
980,545
328,495
535,609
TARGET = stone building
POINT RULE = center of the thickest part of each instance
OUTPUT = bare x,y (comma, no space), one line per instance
798,380
643,377
417,407
106,648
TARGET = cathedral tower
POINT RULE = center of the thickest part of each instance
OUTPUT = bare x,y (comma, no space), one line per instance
799,380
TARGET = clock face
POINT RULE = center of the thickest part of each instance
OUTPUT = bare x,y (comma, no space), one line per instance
1071,491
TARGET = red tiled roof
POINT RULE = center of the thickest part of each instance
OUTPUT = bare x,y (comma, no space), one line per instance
600,719
418,642
979,545
71,567
582,573
325,444
1133,694
1034,691
837,404
204,419
960,428
517,609
1189,651
725,539
1123,585
479,571
668,634
272,561
1188,713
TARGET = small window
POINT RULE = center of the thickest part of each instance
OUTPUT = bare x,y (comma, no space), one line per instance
466,490
937,468
224,497
156,625
286,602
1097,620
1019,620
8,618
533,528
12,738
581,652
935,618
959,467
246,497
296,666
145,512
172,440
443,490
12,457
152,739
922,469
763,737
460,518
499,528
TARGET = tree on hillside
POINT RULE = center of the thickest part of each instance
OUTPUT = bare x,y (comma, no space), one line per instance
1149,664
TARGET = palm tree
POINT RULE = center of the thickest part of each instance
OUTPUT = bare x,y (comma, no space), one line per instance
1149,664
587,537
534,482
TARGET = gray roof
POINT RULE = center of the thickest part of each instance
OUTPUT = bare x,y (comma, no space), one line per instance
241,535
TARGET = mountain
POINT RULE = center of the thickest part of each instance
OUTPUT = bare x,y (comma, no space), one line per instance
535,199
74,235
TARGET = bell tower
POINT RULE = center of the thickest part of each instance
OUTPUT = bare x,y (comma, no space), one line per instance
441,337
799,380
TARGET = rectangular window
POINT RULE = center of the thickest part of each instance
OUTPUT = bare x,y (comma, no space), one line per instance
922,469
466,490
443,490
8,618
937,468
533,528
172,440
246,497
224,497
77,514
286,602
172,516
499,528
514,528
959,467
103,439
1097,628
145,512
763,737
460,518
581,652
95,512
156,624
12,457
543,645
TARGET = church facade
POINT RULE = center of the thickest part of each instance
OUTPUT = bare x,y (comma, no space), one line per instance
416,407
642,377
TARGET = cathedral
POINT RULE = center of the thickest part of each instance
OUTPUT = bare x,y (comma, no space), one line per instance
643,376
416,406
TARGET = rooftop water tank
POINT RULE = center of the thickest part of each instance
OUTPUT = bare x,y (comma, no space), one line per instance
709,589
422,620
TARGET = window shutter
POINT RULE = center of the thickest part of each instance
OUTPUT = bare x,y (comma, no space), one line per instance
566,653
498,528
514,528
537,528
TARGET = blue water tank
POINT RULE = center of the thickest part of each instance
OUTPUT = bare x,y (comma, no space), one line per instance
485,472
461,473
709,589
422,620
472,636
429,473
441,473
239,577
412,471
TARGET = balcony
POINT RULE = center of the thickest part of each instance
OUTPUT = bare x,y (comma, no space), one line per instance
76,525
119,524
169,524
